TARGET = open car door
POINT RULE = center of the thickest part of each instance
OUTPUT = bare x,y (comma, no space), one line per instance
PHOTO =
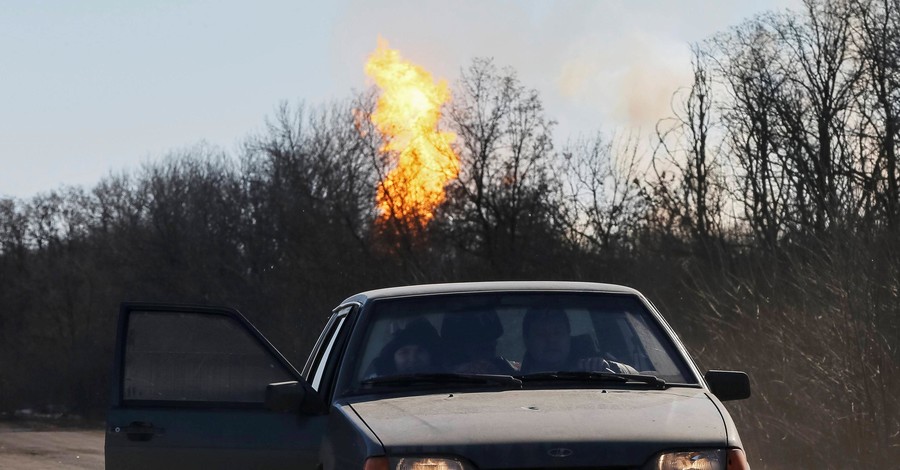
189,389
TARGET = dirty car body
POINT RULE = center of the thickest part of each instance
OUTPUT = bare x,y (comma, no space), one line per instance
500,375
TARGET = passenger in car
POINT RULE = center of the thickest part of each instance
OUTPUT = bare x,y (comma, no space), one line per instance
549,346
411,350
470,340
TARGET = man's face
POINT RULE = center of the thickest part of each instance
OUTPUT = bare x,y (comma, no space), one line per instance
411,359
548,342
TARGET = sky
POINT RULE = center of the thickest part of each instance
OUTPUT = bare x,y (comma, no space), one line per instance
92,88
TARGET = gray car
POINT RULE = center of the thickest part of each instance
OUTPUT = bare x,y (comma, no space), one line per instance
496,375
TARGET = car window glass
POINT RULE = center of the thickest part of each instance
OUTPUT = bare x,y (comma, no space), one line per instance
319,368
485,333
650,354
185,357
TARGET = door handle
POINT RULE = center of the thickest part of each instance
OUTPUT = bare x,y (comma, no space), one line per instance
139,431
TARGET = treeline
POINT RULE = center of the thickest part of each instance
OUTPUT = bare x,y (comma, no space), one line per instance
764,220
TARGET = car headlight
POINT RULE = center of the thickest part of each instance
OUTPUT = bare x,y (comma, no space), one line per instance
417,463
715,459
429,463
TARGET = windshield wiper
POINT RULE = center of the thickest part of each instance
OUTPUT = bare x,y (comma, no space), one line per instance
585,376
443,378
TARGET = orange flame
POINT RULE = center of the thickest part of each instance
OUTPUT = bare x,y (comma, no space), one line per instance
407,116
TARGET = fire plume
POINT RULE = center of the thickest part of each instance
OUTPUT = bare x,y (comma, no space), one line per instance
407,116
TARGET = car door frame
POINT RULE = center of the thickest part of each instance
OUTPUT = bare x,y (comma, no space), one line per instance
118,375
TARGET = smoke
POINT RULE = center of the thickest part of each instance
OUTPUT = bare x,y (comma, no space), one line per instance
628,85
596,64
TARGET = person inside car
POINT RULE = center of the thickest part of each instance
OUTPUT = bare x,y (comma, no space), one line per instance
411,350
470,339
550,347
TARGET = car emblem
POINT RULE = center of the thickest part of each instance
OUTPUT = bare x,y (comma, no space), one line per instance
560,452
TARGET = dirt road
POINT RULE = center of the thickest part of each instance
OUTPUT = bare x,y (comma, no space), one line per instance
45,448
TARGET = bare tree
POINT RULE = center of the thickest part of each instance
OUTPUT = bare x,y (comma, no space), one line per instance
499,204
12,228
878,103
791,82
605,202
308,192
749,67
822,78
689,178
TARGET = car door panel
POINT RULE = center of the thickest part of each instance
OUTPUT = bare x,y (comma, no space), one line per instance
214,438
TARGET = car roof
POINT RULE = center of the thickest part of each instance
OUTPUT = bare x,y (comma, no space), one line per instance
491,286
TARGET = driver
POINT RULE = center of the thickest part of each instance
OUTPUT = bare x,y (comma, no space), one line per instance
548,342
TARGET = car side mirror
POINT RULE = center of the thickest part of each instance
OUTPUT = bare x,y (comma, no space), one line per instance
293,397
728,384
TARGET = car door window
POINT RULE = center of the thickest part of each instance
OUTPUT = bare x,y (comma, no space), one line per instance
320,367
180,357
323,355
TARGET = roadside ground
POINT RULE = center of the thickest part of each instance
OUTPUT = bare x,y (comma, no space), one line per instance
31,445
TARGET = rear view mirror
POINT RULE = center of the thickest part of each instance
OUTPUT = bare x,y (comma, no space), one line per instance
292,397
284,396
728,385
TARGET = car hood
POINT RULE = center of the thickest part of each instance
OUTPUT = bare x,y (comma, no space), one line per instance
518,428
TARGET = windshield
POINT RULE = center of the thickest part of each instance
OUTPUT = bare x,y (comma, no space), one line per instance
525,335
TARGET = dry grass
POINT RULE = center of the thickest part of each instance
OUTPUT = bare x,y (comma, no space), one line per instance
818,334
